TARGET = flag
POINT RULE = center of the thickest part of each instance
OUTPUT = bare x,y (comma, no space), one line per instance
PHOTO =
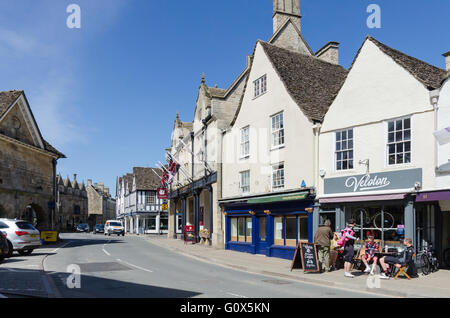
443,136
165,179
173,168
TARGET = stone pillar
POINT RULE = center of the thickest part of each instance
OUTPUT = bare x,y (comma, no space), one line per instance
196,215
211,213
410,221
183,210
158,223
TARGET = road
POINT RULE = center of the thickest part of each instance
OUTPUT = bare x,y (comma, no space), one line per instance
124,267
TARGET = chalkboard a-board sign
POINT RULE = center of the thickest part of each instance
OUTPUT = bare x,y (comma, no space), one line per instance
189,234
307,254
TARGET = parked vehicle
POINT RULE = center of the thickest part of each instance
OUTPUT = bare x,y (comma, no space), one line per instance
3,246
428,261
114,227
99,228
83,228
21,236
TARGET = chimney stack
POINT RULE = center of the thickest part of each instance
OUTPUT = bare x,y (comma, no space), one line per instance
100,185
89,183
447,60
74,177
284,10
329,53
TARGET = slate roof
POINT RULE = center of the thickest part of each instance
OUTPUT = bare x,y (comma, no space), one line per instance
311,82
8,98
431,76
146,179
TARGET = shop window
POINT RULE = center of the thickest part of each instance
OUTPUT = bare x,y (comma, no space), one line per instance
164,223
386,223
241,229
289,230
151,223
234,233
303,228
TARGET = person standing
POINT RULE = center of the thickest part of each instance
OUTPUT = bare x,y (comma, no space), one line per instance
322,239
349,250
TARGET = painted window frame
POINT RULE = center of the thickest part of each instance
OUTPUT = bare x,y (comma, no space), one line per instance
150,196
350,162
260,86
278,133
245,144
247,237
244,188
275,169
395,143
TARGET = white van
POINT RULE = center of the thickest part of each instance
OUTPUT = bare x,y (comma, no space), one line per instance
114,227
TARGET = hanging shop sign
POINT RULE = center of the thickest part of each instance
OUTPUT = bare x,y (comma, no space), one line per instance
162,193
392,180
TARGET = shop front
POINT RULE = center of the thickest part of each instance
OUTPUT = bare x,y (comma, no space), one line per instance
383,204
271,225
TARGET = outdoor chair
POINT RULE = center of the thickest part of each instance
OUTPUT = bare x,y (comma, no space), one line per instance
403,270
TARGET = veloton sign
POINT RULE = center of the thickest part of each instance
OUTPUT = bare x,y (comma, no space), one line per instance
392,180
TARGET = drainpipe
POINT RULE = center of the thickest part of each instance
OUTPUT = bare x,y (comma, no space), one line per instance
316,130
434,98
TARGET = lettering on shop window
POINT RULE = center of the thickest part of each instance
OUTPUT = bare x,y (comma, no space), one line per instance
366,183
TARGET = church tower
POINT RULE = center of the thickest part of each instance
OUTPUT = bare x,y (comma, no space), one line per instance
284,10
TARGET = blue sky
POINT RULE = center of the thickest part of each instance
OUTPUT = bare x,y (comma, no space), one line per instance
107,94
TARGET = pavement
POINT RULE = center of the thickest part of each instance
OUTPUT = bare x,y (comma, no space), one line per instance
435,285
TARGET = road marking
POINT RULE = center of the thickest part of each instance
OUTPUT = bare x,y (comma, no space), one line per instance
105,251
135,266
236,295
54,251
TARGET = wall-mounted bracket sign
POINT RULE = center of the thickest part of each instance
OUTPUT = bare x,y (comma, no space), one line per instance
391,180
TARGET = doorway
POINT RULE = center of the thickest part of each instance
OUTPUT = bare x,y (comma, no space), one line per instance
261,237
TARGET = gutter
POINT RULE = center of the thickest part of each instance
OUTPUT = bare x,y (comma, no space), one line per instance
434,98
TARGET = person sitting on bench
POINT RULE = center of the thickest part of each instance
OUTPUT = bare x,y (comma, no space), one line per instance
406,257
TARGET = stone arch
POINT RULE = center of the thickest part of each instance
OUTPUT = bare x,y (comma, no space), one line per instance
36,215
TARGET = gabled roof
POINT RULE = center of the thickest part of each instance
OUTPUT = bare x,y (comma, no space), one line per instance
445,77
283,27
311,82
7,100
429,75
146,179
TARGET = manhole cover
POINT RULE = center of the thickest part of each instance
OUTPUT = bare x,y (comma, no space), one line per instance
102,267
277,282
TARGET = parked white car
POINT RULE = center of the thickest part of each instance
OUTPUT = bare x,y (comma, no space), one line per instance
21,236
114,227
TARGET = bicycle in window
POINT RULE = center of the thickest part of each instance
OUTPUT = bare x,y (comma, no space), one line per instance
377,220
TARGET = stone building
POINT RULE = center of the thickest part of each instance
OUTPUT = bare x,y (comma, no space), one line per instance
71,203
101,205
27,164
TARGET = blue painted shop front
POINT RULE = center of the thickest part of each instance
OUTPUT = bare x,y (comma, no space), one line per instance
271,229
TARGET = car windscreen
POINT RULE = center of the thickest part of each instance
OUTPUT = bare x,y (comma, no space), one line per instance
99,226
25,226
82,225
115,224
3,225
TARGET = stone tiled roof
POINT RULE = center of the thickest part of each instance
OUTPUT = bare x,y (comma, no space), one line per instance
431,76
146,179
216,92
7,99
311,82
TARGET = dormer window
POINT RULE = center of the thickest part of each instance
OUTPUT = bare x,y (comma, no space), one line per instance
260,85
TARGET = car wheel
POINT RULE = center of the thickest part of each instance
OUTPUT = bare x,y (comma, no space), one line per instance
10,250
25,252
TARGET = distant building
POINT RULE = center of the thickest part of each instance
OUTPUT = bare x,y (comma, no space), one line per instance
137,203
71,203
101,206
27,164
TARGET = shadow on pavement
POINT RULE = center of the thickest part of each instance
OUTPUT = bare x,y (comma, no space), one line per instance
77,242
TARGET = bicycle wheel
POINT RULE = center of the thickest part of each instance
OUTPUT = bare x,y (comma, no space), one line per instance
388,221
447,257
425,264
357,216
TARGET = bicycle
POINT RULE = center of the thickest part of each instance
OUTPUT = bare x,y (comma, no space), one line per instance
376,220
428,260
446,257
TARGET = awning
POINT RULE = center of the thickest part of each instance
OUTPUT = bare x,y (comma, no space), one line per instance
433,196
363,198
280,198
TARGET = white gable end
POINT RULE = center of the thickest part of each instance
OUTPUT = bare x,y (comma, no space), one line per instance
376,89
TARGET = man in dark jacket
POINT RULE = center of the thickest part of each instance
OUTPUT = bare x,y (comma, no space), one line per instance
322,239
406,257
